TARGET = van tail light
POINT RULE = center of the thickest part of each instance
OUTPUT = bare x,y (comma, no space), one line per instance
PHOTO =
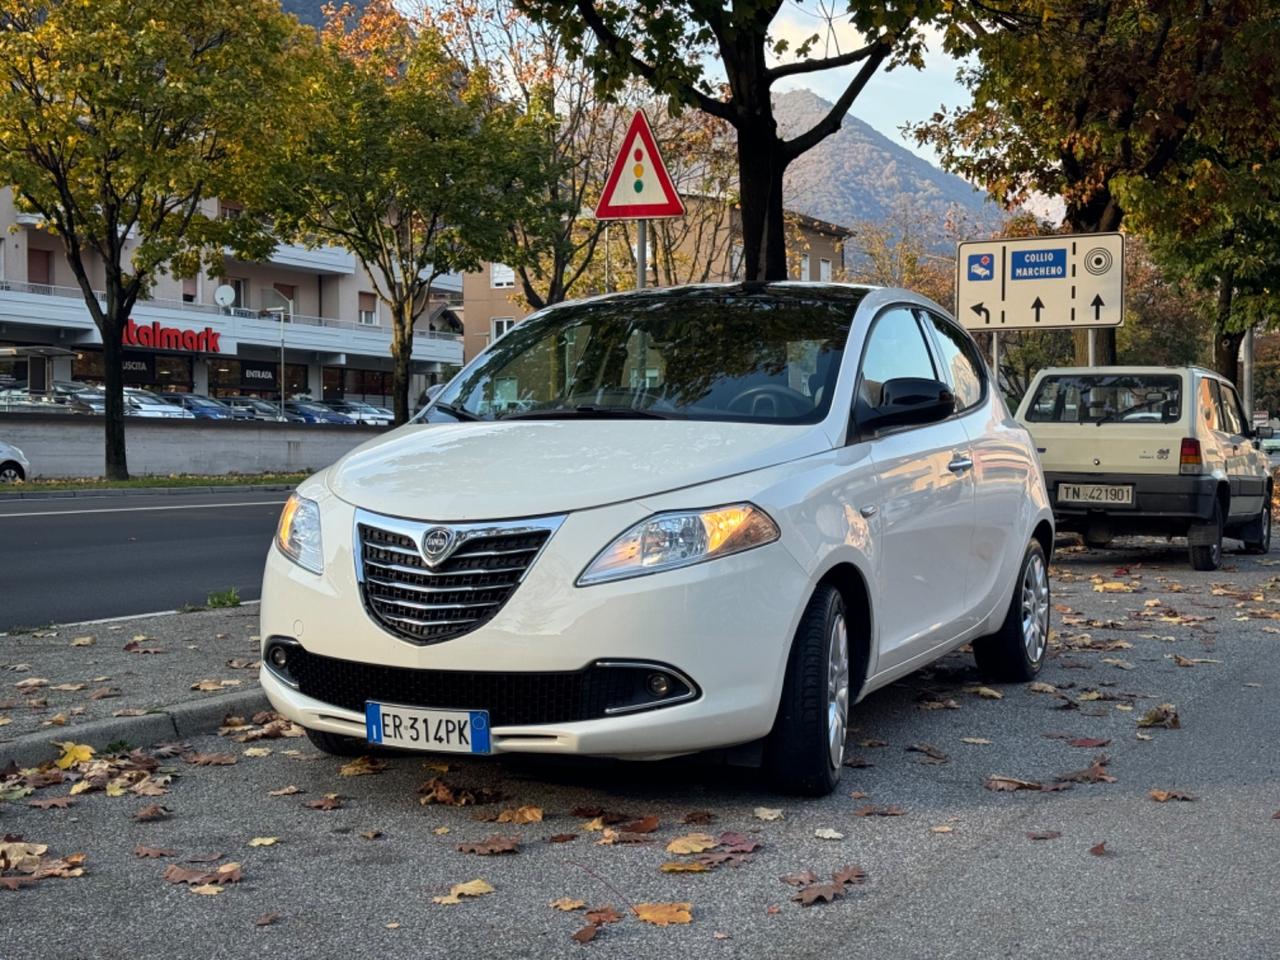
1189,459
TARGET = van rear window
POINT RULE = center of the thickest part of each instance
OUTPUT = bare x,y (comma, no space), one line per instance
1107,398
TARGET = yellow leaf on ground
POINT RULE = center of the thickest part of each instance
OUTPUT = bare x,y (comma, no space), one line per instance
767,813
258,752
1112,586
208,889
361,766
1090,695
472,888
663,914
117,787
73,753
976,741
564,903
986,693
1041,687
692,843
83,641
263,841
524,814
591,826
684,866
826,833
440,831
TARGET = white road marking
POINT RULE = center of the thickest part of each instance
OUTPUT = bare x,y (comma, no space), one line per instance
186,506
133,616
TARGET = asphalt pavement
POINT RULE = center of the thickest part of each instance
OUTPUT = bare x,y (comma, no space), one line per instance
84,558
1093,867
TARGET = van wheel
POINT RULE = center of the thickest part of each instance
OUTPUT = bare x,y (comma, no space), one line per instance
805,749
1208,556
337,745
1097,535
1257,536
1015,653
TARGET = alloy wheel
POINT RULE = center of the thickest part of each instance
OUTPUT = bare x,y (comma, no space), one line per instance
837,688
1035,608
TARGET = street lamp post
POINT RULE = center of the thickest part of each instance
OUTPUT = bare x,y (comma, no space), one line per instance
281,311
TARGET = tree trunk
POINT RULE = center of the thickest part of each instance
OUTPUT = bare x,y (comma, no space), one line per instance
1226,343
117,465
760,168
401,354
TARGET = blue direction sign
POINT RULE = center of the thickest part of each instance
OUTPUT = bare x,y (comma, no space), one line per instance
1041,282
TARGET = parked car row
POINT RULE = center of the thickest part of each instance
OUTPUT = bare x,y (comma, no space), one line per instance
90,399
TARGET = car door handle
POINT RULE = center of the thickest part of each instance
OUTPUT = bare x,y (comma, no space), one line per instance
960,464
868,512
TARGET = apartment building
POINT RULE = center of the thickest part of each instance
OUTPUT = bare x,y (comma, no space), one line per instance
712,254
316,306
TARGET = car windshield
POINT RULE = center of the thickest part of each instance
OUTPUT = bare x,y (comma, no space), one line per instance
741,356
310,407
1107,398
205,402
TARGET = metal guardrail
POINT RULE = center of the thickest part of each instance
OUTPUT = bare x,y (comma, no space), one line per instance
209,309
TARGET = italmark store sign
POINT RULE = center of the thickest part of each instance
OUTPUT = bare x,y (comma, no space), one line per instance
171,338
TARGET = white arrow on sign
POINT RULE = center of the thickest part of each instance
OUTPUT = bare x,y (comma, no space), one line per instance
1039,283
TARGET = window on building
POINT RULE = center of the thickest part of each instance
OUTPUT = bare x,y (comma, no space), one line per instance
189,290
241,287
736,255
286,290
500,325
804,267
824,270
501,276
39,266
368,310
230,211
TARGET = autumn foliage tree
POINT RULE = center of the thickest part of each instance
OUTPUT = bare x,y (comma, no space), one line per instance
670,46
410,162
119,120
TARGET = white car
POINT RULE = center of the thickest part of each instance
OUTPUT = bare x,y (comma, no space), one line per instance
144,403
14,466
1166,451
724,514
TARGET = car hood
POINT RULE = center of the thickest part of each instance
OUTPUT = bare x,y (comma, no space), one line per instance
492,471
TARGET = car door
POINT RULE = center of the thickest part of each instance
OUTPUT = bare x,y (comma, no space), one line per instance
1246,466
1000,471
924,527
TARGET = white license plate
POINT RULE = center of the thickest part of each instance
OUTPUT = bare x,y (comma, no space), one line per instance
1102,494
440,731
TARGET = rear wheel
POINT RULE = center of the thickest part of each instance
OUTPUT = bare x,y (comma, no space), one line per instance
1207,554
805,749
336,744
1257,536
1015,652
11,472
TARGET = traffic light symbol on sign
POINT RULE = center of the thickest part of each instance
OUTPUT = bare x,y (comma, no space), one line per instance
638,185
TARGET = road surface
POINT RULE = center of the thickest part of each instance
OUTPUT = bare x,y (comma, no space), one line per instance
85,558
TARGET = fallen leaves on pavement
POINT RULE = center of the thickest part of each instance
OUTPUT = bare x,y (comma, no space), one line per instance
767,813
438,790
1164,796
472,888
872,810
330,801
1099,849
493,844
692,843
73,753
826,833
362,767
932,754
288,791
1165,715
566,904
1094,773
209,759
153,852
664,914
814,892
152,812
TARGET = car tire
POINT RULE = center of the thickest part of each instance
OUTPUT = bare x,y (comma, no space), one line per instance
1015,653
1208,556
1257,536
805,749
11,472
337,745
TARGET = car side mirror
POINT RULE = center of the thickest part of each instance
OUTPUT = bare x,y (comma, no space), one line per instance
1264,433
909,401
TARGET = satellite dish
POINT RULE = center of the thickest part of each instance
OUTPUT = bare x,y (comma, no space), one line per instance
225,295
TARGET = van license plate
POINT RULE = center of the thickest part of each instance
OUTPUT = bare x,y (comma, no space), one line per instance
440,731
1101,494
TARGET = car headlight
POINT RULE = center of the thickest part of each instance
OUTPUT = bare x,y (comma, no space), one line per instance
298,535
681,538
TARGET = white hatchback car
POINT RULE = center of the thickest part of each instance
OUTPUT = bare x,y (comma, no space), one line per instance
662,522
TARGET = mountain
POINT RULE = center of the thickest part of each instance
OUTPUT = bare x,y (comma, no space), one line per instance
857,174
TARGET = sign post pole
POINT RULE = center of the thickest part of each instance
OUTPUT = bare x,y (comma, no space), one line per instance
995,356
1093,347
642,252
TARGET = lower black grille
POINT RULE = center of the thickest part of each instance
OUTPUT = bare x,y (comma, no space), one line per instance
510,698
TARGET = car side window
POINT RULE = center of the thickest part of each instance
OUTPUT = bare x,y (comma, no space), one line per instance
1232,414
961,367
895,348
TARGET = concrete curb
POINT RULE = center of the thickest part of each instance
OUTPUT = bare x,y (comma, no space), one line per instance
146,491
175,722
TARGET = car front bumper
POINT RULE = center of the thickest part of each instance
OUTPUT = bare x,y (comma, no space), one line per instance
1163,497
725,624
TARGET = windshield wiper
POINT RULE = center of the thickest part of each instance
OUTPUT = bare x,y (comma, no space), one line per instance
586,411
454,411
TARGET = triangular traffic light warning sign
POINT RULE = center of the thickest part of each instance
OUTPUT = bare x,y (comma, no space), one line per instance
639,187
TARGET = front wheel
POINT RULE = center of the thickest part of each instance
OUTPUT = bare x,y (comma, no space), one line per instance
805,749
11,472
1015,653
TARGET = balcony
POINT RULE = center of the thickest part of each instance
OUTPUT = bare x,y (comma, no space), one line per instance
327,260
60,308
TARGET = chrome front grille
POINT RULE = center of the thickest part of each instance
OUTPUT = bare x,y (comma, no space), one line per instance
429,595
